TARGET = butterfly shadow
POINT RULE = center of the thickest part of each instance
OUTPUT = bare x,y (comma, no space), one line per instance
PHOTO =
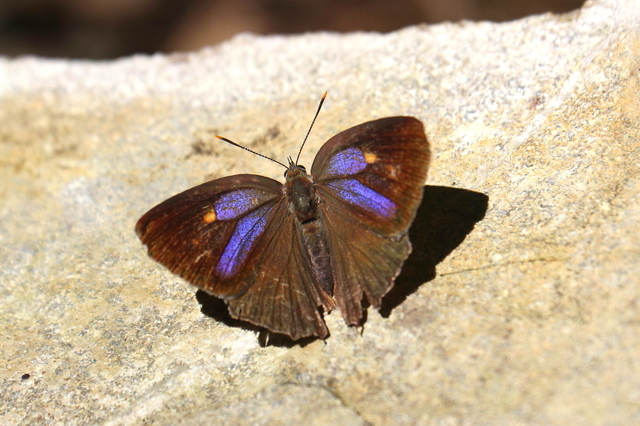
215,308
444,218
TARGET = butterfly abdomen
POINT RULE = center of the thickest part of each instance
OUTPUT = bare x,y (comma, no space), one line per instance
315,242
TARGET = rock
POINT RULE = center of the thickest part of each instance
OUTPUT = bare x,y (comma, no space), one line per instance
533,318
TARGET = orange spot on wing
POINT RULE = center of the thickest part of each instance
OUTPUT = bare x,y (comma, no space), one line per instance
210,216
370,157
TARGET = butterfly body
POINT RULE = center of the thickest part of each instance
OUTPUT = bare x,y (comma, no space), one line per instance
280,255
300,193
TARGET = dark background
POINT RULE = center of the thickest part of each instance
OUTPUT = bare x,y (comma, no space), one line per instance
104,29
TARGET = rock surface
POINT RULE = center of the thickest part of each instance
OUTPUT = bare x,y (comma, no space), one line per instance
533,319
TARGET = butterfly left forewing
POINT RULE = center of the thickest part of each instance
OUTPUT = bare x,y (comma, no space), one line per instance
207,234
369,182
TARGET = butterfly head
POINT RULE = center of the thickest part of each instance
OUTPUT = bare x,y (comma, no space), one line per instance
294,170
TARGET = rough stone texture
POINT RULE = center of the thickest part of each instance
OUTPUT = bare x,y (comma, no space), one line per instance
533,319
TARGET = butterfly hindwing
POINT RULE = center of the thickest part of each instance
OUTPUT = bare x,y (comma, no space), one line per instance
368,262
283,297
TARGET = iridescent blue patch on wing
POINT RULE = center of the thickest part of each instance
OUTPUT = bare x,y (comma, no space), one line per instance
248,229
347,162
235,203
354,192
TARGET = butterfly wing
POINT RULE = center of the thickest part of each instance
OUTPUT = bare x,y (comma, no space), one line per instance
284,296
369,180
234,238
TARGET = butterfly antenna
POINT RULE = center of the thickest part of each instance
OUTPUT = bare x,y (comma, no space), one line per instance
310,127
250,150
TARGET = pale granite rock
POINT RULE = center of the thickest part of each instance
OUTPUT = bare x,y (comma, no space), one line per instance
533,319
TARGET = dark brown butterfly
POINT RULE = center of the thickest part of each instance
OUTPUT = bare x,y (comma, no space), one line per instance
281,255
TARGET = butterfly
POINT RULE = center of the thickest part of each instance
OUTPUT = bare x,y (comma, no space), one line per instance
282,255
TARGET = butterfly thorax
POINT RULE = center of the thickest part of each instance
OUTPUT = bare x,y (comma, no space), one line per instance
301,194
